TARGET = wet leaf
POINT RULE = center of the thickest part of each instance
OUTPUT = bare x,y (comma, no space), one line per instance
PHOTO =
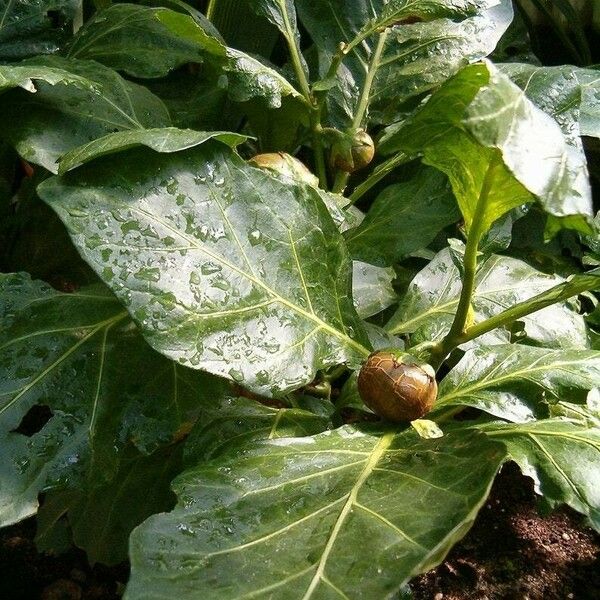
290,514
417,57
224,267
480,128
517,383
427,310
372,288
150,42
166,140
81,356
30,27
68,103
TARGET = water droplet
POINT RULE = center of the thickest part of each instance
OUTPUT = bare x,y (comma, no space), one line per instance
236,374
255,237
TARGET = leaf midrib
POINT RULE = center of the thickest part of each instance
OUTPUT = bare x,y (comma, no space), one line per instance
269,291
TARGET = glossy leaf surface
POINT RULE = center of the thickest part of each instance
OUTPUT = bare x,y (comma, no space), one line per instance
483,132
165,140
150,42
570,94
68,103
131,38
29,27
518,382
81,356
372,288
342,513
428,308
416,57
405,217
224,267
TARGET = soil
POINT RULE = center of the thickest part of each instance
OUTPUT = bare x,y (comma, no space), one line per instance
512,553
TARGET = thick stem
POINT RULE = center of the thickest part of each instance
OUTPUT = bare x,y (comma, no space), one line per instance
476,231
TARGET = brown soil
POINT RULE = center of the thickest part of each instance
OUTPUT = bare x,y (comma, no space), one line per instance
512,553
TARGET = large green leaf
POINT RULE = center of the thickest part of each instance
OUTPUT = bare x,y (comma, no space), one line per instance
483,132
165,139
80,355
562,458
405,217
518,382
416,57
345,513
68,103
427,310
150,42
224,267
131,38
29,27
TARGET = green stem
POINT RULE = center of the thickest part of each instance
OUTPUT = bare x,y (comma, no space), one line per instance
315,112
365,95
378,174
559,293
210,9
476,231
341,179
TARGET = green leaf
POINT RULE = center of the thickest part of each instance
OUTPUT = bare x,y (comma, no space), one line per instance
131,38
70,103
372,288
165,139
224,267
517,382
150,42
80,355
344,513
480,128
427,310
27,28
102,517
230,423
562,458
416,57
569,94
405,217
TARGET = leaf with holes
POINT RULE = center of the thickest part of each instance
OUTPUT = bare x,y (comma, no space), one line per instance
81,356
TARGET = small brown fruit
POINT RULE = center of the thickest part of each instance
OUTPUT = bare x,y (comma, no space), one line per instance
397,386
287,165
352,154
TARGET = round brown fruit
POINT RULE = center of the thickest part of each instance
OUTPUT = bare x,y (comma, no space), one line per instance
397,386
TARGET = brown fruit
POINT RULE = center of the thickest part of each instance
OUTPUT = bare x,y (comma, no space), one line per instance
397,386
352,154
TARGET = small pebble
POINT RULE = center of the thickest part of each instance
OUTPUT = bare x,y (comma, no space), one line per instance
438,596
566,536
